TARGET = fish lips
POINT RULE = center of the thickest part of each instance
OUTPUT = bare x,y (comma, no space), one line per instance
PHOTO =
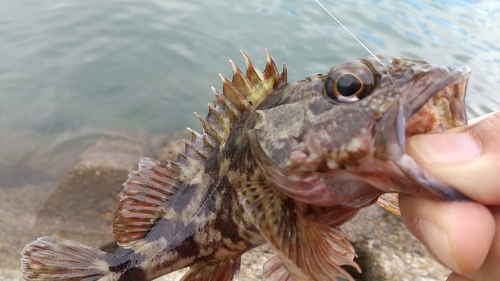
450,87
444,98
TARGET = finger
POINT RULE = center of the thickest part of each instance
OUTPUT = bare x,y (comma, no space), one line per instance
457,234
490,270
466,158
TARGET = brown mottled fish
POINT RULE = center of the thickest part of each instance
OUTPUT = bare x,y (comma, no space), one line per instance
277,162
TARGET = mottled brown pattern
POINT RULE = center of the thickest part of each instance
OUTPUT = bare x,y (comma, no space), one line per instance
277,162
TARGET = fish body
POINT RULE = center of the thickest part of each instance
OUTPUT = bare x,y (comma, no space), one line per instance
279,163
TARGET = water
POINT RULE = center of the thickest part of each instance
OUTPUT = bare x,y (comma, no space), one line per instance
73,71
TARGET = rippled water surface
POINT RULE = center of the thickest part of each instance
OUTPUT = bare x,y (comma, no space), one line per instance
73,71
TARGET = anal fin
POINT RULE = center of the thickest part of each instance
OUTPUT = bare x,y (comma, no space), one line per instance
214,270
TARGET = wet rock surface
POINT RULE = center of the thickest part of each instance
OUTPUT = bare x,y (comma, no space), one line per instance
81,208
388,251
83,205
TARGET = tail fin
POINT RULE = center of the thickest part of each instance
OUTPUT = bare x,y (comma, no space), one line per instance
52,258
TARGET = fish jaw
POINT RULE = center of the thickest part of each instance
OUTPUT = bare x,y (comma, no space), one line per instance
438,106
423,107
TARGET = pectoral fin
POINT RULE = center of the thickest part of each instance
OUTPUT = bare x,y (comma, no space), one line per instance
309,249
275,270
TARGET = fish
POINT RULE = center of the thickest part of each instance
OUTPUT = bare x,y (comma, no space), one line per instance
278,162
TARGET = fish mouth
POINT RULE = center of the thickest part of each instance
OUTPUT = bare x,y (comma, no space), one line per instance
438,107
426,108
430,108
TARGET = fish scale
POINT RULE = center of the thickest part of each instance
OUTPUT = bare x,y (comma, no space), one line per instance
284,163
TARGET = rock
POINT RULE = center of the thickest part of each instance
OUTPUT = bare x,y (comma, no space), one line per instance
388,251
18,225
83,205
10,275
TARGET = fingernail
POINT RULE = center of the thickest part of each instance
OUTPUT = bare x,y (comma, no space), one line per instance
445,148
437,242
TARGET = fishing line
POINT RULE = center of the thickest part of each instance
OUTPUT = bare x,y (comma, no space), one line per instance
324,8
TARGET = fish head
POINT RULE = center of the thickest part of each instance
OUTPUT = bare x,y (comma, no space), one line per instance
339,138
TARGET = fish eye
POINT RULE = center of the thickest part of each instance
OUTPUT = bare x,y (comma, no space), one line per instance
349,82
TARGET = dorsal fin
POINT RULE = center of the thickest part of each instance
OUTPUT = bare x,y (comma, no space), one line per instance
143,200
147,191
243,93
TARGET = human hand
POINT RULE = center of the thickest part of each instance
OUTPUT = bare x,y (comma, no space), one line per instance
463,236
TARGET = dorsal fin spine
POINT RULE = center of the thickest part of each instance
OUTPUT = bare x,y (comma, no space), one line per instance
222,123
187,160
242,83
232,94
271,74
201,141
208,129
284,74
253,73
197,139
209,142
232,113
199,154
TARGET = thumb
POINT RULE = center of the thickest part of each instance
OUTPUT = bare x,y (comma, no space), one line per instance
466,158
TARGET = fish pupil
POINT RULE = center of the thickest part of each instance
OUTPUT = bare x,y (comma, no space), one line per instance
348,85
